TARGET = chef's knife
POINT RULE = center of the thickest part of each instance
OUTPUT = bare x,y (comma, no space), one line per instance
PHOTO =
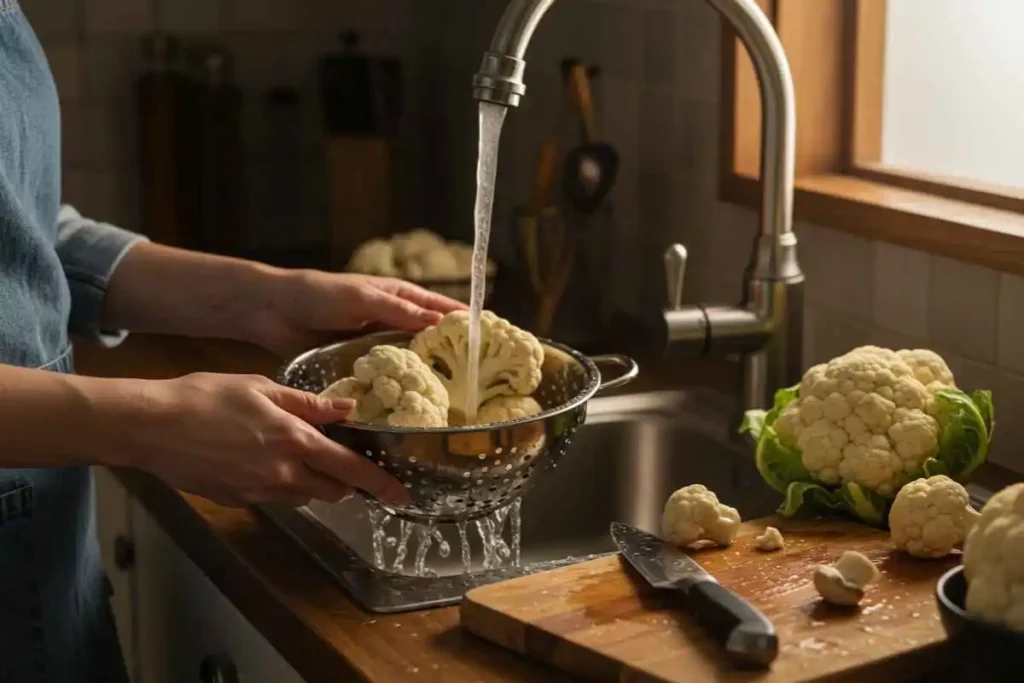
748,636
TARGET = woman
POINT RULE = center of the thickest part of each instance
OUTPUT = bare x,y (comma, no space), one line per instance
233,439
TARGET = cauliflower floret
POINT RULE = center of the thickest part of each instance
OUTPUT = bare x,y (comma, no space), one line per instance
864,417
770,541
929,369
374,257
409,244
393,386
510,358
931,517
433,264
506,409
994,560
693,514
843,583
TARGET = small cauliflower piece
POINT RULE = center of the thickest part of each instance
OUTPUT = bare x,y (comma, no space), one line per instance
931,517
510,358
843,583
506,409
393,386
693,513
770,541
994,560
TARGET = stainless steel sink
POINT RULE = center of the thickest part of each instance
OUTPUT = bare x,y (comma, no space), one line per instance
633,451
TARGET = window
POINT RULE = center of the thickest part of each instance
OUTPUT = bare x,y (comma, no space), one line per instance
953,89
910,121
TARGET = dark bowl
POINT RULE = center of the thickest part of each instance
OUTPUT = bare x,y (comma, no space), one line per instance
983,652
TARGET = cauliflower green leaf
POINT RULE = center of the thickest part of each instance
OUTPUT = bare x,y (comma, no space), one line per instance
778,464
967,423
811,499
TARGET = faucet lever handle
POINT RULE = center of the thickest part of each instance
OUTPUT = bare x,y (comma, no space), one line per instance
675,271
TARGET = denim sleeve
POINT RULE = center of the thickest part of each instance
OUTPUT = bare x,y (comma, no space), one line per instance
90,251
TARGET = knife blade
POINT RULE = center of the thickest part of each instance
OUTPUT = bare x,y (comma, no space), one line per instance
748,636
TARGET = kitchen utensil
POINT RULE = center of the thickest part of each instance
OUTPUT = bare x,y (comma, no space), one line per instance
160,91
590,169
361,98
220,172
596,622
981,651
461,473
749,638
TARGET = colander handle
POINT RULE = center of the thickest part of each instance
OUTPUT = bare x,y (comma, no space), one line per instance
629,370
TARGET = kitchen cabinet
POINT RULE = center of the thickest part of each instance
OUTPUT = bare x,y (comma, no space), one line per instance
176,625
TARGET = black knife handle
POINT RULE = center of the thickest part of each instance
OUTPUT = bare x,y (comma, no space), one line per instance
749,637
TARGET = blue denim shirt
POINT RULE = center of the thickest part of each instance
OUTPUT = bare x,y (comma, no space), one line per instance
55,619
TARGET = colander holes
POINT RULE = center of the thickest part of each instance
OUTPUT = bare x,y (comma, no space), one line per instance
466,475
479,482
514,449
382,454
493,489
497,450
482,456
380,463
412,459
369,453
508,468
408,485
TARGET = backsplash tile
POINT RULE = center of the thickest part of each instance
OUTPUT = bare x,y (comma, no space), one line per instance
900,296
839,268
660,46
104,17
963,308
1010,342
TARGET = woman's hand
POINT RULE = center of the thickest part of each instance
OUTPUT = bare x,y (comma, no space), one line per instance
304,309
239,439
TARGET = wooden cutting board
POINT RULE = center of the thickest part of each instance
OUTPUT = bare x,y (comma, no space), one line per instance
601,621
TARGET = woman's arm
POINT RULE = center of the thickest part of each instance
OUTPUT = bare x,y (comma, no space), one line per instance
49,419
163,290
235,439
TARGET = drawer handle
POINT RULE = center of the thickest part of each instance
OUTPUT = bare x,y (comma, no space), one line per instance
218,669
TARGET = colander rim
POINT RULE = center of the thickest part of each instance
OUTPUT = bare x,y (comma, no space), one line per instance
593,383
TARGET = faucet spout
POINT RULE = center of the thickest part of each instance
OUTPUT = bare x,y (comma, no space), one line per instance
767,327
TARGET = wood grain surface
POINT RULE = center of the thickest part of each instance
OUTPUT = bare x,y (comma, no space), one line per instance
600,620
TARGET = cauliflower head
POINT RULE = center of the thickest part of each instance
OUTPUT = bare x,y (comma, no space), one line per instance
693,513
859,427
510,358
994,560
393,386
506,409
931,517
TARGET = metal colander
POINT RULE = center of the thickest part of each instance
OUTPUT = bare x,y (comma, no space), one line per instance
460,473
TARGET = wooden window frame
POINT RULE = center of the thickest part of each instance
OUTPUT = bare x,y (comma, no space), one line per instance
836,54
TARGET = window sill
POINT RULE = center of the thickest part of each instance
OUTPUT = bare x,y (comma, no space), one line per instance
967,232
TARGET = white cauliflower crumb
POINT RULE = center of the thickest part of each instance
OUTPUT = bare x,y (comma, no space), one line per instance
931,517
770,541
994,560
693,513
393,386
843,583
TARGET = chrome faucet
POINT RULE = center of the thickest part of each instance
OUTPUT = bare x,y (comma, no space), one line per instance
766,327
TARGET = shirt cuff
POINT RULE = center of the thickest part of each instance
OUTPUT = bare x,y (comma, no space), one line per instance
89,252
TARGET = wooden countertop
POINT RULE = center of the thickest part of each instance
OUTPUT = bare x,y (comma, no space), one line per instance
289,599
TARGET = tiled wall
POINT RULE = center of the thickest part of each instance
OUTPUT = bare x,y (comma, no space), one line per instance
658,99
95,52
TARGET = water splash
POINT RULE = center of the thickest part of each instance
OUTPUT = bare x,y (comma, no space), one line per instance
497,548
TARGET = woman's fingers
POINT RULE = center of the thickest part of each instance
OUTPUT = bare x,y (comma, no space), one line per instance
394,311
308,407
426,298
